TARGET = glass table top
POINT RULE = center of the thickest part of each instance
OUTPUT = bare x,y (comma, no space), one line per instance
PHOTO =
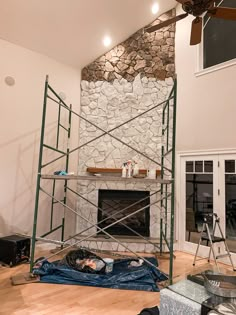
190,290
197,293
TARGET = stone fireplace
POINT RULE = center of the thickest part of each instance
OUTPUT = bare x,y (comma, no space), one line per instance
90,190
131,78
112,202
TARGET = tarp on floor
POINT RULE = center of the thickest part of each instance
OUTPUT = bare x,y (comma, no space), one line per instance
123,276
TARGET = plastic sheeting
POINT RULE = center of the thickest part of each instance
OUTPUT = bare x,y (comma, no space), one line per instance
123,276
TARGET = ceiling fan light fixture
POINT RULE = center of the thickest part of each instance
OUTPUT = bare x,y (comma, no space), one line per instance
107,41
196,8
155,8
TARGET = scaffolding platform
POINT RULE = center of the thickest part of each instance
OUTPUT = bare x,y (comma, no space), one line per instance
107,178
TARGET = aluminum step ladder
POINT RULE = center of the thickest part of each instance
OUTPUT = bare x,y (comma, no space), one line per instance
212,239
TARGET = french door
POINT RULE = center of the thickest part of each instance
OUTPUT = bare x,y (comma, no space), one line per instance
207,185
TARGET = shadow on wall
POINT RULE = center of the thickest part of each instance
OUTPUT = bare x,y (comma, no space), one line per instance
4,228
19,171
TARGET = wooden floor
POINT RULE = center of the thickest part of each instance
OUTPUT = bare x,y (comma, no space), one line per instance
39,298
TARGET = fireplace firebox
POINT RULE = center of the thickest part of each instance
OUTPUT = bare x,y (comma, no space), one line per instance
113,201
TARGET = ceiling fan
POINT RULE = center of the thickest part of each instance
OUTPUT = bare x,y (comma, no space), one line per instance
197,8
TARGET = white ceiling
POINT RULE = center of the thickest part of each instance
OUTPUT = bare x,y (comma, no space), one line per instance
71,31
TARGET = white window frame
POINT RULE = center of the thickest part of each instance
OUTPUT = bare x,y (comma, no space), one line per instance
181,157
199,67
199,64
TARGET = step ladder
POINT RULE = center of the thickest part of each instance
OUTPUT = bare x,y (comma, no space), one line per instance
212,239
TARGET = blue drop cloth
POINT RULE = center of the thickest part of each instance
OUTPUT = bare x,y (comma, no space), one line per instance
123,276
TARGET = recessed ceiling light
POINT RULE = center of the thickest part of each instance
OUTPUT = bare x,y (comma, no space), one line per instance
107,41
9,80
155,8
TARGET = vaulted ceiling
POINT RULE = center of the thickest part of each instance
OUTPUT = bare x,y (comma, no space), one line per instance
71,31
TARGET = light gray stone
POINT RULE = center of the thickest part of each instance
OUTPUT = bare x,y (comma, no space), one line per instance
118,86
145,80
84,93
147,100
92,85
98,83
84,85
147,91
151,85
102,102
85,110
93,105
94,96
169,81
137,86
128,88
84,101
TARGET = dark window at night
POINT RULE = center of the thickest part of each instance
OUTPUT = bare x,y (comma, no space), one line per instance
219,40
198,166
230,166
189,167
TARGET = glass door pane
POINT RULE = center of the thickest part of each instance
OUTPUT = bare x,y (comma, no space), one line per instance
230,204
199,197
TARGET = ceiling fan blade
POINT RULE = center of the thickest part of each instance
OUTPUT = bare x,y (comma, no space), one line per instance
196,31
165,23
223,13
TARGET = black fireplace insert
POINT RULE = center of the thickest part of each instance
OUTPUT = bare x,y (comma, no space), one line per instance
113,201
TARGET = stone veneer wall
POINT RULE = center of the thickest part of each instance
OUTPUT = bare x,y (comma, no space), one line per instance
108,105
131,78
152,55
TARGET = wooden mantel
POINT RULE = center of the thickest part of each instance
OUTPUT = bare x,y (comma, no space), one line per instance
94,170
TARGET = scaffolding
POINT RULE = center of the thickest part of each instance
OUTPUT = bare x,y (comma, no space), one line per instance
166,181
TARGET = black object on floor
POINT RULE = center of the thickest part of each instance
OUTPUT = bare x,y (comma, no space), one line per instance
14,249
150,311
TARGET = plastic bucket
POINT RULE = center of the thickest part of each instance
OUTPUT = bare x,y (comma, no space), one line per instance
152,173
109,264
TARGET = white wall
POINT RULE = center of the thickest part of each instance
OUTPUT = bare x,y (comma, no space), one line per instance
20,123
206,105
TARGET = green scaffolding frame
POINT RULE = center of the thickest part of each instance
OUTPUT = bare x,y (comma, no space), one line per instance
167,178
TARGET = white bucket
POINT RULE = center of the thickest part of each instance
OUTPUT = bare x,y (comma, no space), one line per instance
152,173
109,264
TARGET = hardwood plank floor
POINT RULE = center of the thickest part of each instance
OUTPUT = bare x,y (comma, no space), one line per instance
43,299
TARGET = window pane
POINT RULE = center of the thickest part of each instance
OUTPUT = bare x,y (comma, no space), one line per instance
208,166
229,166
189,167
199,202
199,166
230,208
218,36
